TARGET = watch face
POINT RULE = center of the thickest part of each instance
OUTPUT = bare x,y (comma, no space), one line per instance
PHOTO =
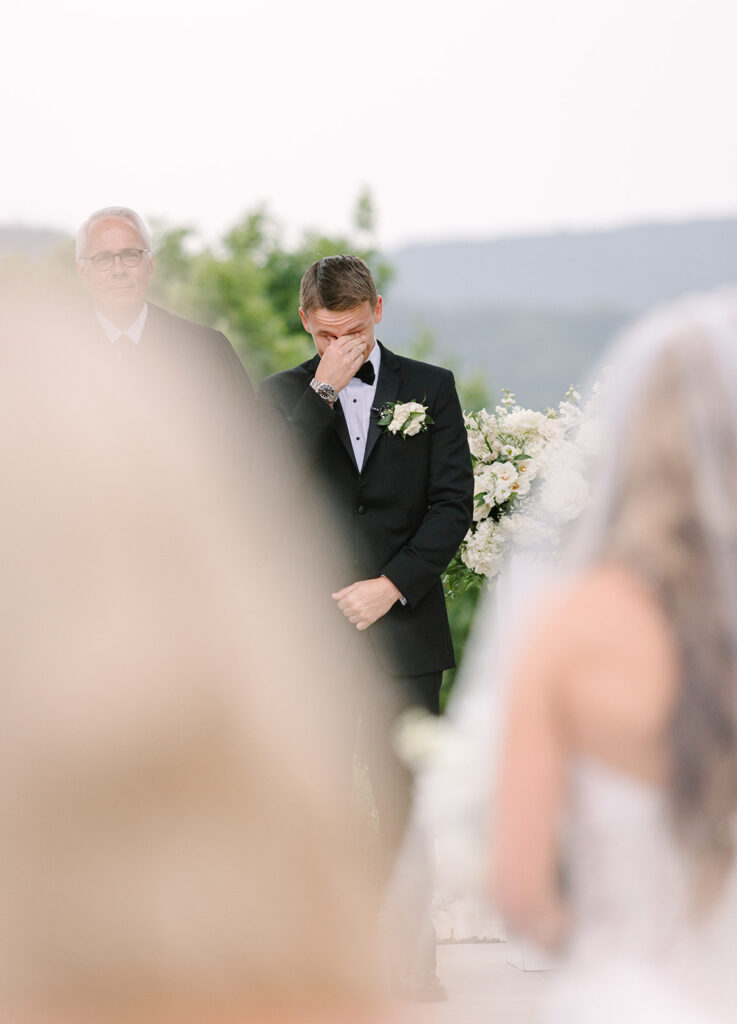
326,391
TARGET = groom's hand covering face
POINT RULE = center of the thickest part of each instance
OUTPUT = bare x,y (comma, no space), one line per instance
343,339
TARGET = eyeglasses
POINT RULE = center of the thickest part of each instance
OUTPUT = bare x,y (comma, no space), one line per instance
105,260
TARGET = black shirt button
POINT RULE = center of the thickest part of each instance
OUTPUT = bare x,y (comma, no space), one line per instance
361,509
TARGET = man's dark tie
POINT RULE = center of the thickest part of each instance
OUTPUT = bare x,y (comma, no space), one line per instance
366,373
124,346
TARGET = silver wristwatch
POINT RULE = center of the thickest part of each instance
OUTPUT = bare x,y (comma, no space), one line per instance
326,391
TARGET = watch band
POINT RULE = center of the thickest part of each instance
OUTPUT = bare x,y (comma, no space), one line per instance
325,391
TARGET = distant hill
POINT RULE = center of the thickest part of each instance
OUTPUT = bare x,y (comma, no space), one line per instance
537,354
536,312
27,240
627,268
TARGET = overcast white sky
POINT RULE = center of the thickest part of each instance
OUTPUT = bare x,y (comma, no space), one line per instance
466,118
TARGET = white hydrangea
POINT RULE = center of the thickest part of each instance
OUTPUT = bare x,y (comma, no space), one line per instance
514,448
564,494
483,549
525,529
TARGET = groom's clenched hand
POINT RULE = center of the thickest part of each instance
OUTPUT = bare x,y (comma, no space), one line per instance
340,360
364,602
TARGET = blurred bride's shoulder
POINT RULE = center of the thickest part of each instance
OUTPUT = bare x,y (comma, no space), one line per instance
609,656
600,638
601,603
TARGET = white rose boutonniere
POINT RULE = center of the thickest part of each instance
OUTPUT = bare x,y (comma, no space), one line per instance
404,418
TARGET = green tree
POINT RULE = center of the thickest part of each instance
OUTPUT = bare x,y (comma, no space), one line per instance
249,285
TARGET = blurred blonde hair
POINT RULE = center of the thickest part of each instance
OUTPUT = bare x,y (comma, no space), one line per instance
174,765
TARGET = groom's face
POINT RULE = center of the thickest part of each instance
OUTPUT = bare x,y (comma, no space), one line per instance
327,325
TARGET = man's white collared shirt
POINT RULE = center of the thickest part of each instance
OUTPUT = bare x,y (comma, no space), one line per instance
356,400
113,332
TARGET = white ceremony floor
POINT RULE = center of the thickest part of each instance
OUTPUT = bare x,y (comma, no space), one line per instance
482,988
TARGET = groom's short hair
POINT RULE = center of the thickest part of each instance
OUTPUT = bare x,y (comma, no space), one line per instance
337,282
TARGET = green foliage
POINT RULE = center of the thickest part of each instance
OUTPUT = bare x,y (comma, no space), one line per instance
461,611
458,578
248,286
365,215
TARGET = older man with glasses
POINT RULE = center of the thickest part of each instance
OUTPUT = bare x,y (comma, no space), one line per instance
115,263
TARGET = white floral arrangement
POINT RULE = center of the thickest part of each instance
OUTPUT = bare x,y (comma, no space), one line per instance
516,453
404,418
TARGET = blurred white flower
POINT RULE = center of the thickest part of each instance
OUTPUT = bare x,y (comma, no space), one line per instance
530,472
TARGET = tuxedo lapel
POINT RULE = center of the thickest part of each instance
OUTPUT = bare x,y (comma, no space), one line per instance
341,429
387,389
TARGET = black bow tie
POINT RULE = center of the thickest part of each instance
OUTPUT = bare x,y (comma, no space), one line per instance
366,373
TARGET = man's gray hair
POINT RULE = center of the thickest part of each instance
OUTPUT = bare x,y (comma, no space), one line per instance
124,213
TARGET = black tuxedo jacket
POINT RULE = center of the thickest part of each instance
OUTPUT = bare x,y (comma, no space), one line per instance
405,513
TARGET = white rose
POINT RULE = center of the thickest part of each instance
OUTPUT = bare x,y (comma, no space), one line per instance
414,427
401,414
551,429
522,421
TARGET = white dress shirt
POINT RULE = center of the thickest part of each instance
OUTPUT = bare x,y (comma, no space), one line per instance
113,332
356,399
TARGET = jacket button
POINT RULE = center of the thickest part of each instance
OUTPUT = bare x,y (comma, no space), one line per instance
361,509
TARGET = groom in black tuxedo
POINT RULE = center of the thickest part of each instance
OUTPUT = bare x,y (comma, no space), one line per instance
399,504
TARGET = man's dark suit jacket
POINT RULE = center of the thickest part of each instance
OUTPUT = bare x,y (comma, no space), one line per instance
201,352
190,367
405,513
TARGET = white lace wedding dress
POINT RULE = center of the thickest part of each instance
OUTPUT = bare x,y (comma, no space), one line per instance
635,953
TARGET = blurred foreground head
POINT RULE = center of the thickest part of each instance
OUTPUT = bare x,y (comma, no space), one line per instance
174,774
